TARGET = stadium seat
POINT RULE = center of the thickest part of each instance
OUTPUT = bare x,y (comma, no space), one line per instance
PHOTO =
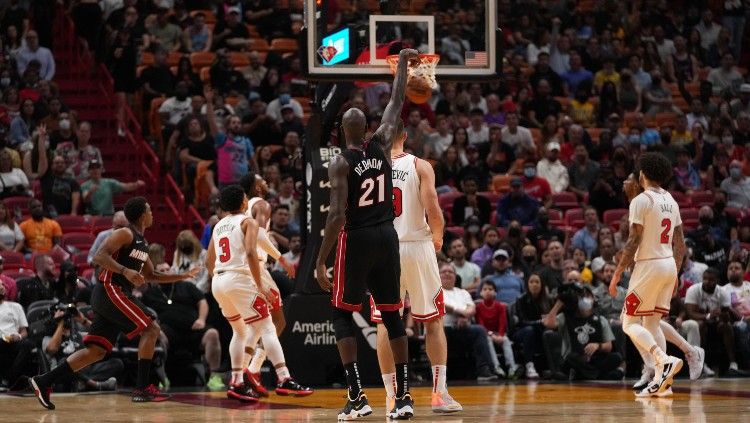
174,58
682,200
700,199
564,200
689,214
20,273
21,203
72,223
284,45
555,214
79,240
202,59
501,184
492,196
734,212
12,260
446,200
239,59
613,216
572,215
456,230
210,16
258,44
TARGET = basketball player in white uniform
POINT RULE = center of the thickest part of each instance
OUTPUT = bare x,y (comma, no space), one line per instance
656,245
237,285
255,188
695,355
414,197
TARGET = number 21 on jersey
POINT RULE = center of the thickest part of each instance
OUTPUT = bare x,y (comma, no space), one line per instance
368,186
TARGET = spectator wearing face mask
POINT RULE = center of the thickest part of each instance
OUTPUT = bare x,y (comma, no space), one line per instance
737,187
508,285
587,342
534,186
188,255
517,205
484,254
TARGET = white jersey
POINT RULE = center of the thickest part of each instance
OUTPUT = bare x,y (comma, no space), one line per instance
262,254
659,214
229,244
410,221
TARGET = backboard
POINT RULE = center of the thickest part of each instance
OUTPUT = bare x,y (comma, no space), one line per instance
350,39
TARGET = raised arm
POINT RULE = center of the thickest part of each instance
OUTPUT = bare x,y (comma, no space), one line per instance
389,122
337,175
208,94
429,198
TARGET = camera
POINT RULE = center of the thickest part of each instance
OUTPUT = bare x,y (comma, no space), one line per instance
69,309
569,294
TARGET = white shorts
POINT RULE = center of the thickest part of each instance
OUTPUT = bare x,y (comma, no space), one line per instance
651,286
238,297
265,275
420,278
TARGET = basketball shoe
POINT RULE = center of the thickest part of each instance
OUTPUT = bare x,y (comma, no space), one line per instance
149,394
355,408
442,402
403,408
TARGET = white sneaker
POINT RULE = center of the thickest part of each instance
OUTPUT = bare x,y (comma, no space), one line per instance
666,371
695,362
707,371
647,375
649,391
442,402
513,370
531,371
665,393
390,402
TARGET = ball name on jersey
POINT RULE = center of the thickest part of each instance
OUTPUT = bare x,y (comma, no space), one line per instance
368,164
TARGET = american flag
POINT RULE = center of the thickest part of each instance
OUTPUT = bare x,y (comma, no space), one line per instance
475,58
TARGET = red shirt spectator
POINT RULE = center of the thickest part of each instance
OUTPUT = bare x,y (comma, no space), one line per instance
10,287
492,314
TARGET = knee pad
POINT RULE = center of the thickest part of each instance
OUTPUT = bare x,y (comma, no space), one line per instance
343,326
393,324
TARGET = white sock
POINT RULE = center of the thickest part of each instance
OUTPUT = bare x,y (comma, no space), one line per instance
236,377
439,373
733,366
282,373
271,344
674,337
258,359
389,382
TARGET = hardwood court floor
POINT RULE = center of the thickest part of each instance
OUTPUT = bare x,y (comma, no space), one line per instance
703,401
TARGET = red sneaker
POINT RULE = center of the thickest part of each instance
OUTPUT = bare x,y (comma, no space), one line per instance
243,392
149,394
254,380
290,387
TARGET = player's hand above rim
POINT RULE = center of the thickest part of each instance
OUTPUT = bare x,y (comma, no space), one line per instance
322,277
411,55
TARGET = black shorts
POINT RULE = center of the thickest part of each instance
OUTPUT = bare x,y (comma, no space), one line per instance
115,311
367,259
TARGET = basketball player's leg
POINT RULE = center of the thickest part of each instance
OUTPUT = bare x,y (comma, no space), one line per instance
279,322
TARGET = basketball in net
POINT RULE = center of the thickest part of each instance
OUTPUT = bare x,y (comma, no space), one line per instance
420,79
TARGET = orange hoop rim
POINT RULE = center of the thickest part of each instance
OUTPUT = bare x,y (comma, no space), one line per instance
429,59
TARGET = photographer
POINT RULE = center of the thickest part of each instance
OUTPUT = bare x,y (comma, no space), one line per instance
67,339
586,337
15,348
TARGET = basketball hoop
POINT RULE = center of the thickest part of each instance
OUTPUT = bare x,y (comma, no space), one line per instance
420,80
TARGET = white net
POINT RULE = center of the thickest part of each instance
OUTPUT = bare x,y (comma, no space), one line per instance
425,70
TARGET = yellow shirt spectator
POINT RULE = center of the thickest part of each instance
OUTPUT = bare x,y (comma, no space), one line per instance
582,113
680,138
603,76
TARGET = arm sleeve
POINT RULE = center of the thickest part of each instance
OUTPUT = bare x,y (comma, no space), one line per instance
264,242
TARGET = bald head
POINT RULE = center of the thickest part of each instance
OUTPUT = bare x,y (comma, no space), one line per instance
119,220
354,124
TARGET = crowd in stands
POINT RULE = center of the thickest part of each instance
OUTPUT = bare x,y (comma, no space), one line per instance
529,168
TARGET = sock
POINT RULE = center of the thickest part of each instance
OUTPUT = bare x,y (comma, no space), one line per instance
438,379
733,366
216,374
59,372
389,382
402,379
144,368
282,373
237,377
352,379
272,346
258,359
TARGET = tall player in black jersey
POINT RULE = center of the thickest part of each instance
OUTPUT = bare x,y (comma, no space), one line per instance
123,258
367,256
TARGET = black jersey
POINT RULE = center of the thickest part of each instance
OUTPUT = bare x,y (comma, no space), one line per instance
133,256
370,200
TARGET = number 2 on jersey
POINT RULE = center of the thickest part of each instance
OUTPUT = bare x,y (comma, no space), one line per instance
368,186
667,225
226,255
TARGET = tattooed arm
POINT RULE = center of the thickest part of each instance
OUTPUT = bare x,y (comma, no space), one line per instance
628,256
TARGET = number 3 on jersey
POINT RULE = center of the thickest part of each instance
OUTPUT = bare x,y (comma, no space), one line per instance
667,225
226,255
368,185
397,201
